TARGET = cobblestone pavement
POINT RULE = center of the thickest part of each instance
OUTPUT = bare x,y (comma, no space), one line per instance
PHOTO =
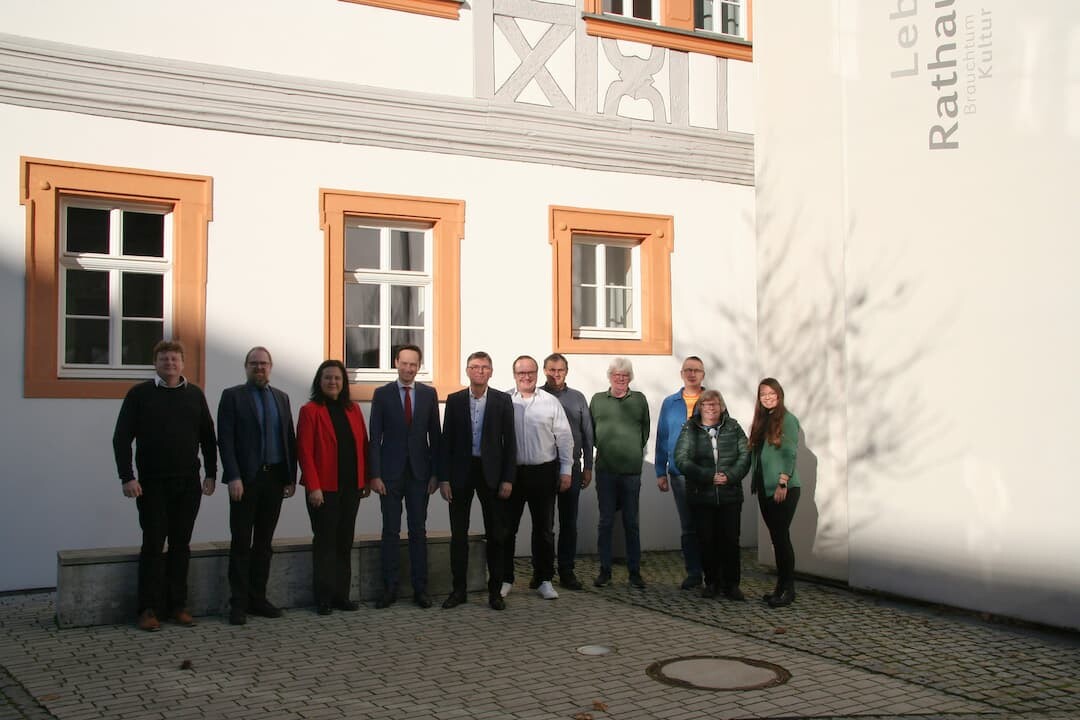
849,655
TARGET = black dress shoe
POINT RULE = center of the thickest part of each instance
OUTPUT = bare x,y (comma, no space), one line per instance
691,582
734,593
386,600
346,605
783,599
422,600
323,608
265,609
453,600
602,579
496,601
237,616
708,591
570,582
637,581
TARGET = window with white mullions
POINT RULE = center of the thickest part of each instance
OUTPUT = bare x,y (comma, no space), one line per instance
606,288
388,295
115,286
638,9
720,16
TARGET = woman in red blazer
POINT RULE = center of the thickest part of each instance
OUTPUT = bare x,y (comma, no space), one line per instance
331,442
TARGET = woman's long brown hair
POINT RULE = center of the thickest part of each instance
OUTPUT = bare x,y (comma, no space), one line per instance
768,426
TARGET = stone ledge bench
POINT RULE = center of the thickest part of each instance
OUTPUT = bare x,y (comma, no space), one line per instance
99,586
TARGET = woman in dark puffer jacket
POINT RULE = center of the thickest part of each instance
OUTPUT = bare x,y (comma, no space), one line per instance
712,453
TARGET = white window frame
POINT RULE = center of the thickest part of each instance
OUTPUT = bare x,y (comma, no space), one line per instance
115,263
384,278
740,17
633,329
628,12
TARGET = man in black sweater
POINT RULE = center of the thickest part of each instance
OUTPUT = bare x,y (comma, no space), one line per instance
169,421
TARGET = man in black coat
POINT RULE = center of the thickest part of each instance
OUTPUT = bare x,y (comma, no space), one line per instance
258,455
478,455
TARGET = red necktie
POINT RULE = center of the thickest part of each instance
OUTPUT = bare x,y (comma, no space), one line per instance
408,407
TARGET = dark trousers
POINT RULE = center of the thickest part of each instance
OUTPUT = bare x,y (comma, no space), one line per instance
414,492
614,492
495,512
568,514
777,517
717,531
252,521
167,510
536,485
691,547
333,527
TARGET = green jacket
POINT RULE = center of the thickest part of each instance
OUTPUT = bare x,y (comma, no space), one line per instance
775,461
620,431
694,458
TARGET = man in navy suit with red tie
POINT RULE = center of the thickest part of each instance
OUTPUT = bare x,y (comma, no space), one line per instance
402,450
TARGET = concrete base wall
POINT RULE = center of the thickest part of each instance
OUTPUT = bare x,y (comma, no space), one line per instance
98,586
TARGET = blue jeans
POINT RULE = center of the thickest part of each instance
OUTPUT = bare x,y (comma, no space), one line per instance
691,550
568,513
620,491
414,492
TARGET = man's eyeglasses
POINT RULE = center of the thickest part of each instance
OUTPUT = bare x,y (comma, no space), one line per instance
478,368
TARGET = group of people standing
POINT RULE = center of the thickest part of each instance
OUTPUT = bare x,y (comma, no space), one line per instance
535,446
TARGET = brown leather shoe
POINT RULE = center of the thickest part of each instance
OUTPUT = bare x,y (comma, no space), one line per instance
148,621
183,617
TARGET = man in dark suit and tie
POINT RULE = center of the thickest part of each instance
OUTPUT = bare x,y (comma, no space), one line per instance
258,453
478,455
403,447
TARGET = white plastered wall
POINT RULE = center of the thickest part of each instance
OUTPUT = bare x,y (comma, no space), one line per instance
265,286
941,348
326,39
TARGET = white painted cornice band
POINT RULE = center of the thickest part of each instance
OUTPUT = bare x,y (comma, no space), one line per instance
55,76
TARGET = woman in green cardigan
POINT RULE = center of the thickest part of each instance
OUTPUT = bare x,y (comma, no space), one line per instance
774,438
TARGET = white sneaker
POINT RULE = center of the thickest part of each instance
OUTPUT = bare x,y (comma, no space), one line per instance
505,589
546,591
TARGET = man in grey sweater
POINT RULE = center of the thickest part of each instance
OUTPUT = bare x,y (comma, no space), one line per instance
577,412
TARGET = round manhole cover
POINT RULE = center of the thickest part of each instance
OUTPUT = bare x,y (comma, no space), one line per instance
712,672
594,650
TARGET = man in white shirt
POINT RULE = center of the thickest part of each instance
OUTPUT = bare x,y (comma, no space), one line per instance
545,449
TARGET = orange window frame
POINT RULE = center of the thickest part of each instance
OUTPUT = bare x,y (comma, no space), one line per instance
42,186
447,221
655,236
675,30
449,9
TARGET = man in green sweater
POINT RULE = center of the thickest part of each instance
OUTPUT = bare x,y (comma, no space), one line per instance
621,429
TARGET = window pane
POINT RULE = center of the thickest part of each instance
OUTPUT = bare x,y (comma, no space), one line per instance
143,234
407,250
361,304
729,18
613,6
142,295
583,307
643,9
87,230
406,305
703,14
618,308
361,347
361,248
87,293
86,341
583,264
617,265
137,340
405,337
